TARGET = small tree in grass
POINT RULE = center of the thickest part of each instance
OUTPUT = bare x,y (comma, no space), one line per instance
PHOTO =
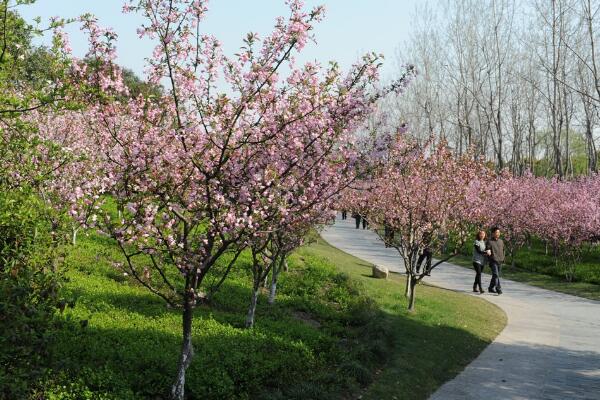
421,195
315,173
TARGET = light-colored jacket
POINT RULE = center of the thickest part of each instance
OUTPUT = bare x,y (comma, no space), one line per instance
479,255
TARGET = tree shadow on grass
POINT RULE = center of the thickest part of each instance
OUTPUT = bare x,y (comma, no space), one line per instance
228,362
426,357
235,363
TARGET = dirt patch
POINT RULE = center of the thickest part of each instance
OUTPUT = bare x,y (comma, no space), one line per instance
306,318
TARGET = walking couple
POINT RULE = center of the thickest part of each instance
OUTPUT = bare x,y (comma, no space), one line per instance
488,251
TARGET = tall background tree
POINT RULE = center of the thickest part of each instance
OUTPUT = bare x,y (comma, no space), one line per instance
517,81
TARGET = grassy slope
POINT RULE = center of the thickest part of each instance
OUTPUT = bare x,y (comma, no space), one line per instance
433,345
534,267
325,338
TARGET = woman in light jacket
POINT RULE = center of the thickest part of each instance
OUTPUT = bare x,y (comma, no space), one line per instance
479,258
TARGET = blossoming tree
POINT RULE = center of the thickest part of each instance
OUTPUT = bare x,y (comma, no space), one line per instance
422,195
203,170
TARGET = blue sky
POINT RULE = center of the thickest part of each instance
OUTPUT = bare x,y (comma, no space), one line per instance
350,28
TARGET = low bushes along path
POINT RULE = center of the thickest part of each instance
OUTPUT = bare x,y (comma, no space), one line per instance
550,348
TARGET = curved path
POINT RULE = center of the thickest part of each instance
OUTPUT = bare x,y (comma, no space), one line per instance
549,349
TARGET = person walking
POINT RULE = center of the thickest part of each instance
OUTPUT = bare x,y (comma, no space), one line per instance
344,214
356,217
480,254
495,247
388,234
365,223
426,255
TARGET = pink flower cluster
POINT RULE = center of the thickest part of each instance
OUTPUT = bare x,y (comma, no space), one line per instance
560,212
204,169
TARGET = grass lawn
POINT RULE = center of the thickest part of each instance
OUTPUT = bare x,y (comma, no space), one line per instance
534,267
447,331
335,333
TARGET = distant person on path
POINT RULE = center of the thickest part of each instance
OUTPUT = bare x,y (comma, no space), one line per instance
480,255
344,214
356,217
426,255
388,234
364,222
496,258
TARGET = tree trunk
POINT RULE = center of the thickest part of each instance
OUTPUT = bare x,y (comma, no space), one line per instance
272,291
513,256
411,299
591,147
273,287
74,236
187,350
283,266
252,308
408,289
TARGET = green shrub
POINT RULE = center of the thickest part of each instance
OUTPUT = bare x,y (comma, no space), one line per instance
29,291
99,384
302,347
357,371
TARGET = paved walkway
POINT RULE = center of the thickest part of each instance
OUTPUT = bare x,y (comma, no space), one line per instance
550,348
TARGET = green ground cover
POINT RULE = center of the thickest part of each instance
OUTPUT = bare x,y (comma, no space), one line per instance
334,333
432,345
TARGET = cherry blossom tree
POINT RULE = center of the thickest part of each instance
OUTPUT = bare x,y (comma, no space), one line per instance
422,196
507,201
566,214
563,213
205,170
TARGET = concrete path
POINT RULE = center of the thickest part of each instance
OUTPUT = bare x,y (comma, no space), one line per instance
550,348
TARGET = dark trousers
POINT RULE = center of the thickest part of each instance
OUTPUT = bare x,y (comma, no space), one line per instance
425,256
364,223
357,222
388,235
495,266
478,269
344,215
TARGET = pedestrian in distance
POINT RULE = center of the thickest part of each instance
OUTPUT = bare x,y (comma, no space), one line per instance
388,234
480,255
426,255
495,248
356,217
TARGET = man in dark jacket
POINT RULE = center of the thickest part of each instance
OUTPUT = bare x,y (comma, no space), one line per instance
495,250
356,217
426,255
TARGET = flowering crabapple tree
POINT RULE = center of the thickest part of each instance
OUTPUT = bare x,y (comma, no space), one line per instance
68,164
270,248
196,173
567,216
561,213
303,171
506,201
422,196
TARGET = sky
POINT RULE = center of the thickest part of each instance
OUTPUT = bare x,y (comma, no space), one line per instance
350,28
